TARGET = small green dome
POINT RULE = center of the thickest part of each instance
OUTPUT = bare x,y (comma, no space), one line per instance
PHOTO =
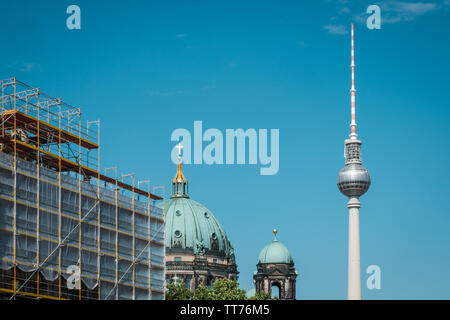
275,252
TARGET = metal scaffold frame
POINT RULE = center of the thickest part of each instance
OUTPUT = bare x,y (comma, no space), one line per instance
47,132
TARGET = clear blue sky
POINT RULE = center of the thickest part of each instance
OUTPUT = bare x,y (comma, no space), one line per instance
146,68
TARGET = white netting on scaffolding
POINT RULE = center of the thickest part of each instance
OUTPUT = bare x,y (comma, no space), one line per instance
85,253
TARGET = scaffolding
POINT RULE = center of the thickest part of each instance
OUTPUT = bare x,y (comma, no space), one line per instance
66,230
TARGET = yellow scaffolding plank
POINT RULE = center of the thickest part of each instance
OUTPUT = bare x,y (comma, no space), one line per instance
46,127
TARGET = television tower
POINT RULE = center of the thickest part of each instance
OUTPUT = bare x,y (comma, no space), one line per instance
353,181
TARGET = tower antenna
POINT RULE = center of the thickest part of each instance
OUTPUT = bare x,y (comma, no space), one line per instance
353,134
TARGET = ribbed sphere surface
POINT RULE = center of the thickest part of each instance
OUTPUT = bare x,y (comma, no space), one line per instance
275,252
189,223
353,180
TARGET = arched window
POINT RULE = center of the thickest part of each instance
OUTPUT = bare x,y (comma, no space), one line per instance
275,290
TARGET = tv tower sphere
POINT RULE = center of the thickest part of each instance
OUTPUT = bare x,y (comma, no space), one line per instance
353,180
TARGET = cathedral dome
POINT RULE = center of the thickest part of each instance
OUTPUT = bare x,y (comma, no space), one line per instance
198,250
275,252
191,226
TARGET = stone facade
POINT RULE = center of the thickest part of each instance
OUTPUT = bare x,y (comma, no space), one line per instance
282,275
198,270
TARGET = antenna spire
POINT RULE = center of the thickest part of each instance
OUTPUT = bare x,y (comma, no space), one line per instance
353,134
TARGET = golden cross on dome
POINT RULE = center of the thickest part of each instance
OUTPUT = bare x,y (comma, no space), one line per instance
179,147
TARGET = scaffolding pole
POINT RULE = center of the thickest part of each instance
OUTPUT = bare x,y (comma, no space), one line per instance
132,221
38,178
15,196
97,123
148,237
79,208
59,203
164,234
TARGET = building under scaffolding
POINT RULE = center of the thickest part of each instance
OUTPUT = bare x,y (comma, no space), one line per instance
66,230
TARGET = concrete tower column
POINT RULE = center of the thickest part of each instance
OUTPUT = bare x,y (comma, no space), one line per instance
354,258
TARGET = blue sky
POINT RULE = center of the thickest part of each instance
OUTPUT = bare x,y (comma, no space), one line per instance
146,68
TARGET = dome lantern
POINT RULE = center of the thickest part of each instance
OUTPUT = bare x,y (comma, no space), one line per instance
179,182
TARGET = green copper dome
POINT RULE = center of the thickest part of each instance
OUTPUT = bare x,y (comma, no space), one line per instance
275,252
192,227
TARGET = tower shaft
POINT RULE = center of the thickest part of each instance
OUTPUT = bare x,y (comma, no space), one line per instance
354,258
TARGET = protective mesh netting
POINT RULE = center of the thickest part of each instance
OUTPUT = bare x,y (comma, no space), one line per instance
79,249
